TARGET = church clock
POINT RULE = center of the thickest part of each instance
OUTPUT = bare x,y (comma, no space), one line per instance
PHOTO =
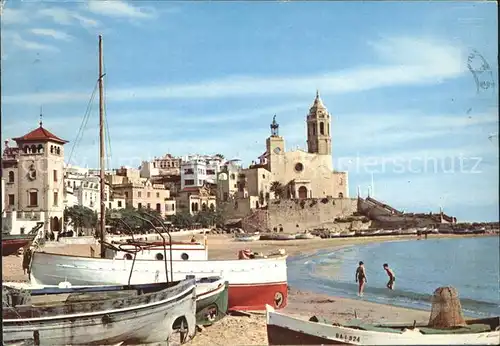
277,150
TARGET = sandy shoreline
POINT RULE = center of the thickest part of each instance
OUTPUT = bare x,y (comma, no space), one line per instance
252,330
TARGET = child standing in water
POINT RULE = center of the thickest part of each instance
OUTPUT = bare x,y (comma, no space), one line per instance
392,277
361,278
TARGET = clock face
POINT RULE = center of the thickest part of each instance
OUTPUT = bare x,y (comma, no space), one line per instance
277,150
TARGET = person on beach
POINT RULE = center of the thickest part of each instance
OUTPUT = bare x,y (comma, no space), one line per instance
392,277
361,278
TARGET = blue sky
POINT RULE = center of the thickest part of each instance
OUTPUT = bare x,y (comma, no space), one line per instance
207,77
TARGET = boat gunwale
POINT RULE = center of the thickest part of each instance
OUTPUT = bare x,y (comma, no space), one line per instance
213,292
273,258
186,292
270,312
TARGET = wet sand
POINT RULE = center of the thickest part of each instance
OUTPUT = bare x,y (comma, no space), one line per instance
252,330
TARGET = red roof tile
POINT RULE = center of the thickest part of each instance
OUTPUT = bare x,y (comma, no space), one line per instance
40,134
191,189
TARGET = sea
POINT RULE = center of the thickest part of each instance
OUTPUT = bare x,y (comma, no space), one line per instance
471,265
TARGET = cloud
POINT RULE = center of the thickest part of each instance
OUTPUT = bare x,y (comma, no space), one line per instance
117,8
13,16
66,17
18,41
55,34
428,62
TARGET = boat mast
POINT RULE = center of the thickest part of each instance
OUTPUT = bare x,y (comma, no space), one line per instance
101,147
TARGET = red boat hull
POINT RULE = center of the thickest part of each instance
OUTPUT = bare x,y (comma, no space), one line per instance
256,296
12,246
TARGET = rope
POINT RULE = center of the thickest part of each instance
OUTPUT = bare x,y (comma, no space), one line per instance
84,122
108,135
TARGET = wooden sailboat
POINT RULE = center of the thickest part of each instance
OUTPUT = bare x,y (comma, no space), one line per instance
102,315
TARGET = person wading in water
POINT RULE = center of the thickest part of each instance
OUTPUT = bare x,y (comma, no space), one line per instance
392,277
361,278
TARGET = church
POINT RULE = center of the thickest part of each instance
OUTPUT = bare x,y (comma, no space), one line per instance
294,174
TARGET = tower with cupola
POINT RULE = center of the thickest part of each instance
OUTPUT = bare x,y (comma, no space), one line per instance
275,145
319,140
34,173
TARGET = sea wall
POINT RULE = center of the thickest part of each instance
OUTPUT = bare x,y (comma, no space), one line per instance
296,215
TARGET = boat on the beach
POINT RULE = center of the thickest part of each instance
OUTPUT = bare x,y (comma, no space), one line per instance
252,283
287,330
284,236
446,326
12,243
131,314
305,235
211,295
247,237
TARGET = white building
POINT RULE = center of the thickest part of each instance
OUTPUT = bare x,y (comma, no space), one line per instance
196,170
166,165
83,188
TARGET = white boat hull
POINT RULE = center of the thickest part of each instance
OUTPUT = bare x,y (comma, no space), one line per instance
287,330
252,283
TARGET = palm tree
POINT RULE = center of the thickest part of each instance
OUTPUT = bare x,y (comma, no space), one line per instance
277,189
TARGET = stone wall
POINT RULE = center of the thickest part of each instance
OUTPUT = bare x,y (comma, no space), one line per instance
298,215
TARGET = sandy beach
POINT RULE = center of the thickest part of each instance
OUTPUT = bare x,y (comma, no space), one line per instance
252,330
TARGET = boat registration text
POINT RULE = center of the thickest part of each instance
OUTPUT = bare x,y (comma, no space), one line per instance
347,337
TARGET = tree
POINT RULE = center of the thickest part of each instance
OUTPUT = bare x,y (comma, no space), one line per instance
277,189
182,220
132,217
80,217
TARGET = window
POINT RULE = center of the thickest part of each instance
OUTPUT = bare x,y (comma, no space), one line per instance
188,171
33,198
233,177
11,177
126,194
139,194
110,206
210,171
56,197
188,182
157,195
11,199
119,204
149,194
158,207
314,130
139,205
55,176
321,128
149,205
173,207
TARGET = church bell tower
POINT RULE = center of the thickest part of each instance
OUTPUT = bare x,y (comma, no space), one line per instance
319,140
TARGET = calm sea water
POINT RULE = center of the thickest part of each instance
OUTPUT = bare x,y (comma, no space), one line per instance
471,265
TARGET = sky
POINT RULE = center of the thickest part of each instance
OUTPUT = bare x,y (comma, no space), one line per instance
411,87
